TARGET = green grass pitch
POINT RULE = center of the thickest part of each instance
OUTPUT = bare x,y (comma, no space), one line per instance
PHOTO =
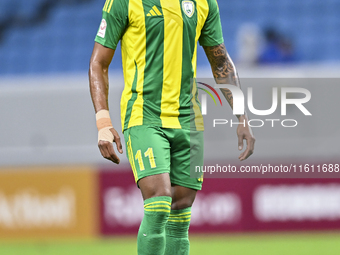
252,244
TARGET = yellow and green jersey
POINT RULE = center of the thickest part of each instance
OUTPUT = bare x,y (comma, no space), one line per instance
159,54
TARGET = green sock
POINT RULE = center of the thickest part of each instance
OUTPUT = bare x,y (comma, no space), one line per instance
177,237
151,234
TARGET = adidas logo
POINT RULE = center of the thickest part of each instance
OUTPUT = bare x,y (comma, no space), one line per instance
154,12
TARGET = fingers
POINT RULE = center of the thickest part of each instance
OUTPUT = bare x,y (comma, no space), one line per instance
250,148
116,139
106,147
245,132
107,151
240,142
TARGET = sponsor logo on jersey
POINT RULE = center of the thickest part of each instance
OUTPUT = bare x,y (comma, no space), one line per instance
188,8
102,28
154,12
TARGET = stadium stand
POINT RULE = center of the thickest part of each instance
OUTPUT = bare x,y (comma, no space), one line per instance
44,36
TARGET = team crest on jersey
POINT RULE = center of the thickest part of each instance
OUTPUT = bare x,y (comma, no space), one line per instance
188,8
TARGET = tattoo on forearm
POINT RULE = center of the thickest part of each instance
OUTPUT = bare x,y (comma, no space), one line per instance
228,95
223,69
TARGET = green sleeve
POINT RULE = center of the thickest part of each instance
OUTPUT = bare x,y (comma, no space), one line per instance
211,34
115,19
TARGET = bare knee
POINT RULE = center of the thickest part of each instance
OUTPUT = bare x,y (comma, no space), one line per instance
155,186
160,192
182,197
182,203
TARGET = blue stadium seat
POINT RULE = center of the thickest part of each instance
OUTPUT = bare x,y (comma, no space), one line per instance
7,9
63,42
27,10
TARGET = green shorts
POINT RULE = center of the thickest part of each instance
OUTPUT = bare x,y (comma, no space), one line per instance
154,150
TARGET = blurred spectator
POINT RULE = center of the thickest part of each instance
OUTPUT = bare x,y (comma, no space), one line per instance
277,49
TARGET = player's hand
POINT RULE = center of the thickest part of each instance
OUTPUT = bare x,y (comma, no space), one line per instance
107,150
245,132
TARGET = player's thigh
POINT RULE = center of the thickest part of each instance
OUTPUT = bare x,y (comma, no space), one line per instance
187,153
148,151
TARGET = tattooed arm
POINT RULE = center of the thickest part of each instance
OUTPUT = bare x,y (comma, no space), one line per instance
223,69
224,72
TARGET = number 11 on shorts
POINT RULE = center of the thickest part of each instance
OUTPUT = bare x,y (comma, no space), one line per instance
147,154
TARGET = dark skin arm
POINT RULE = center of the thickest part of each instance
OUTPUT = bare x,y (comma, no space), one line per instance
99,88
224,72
